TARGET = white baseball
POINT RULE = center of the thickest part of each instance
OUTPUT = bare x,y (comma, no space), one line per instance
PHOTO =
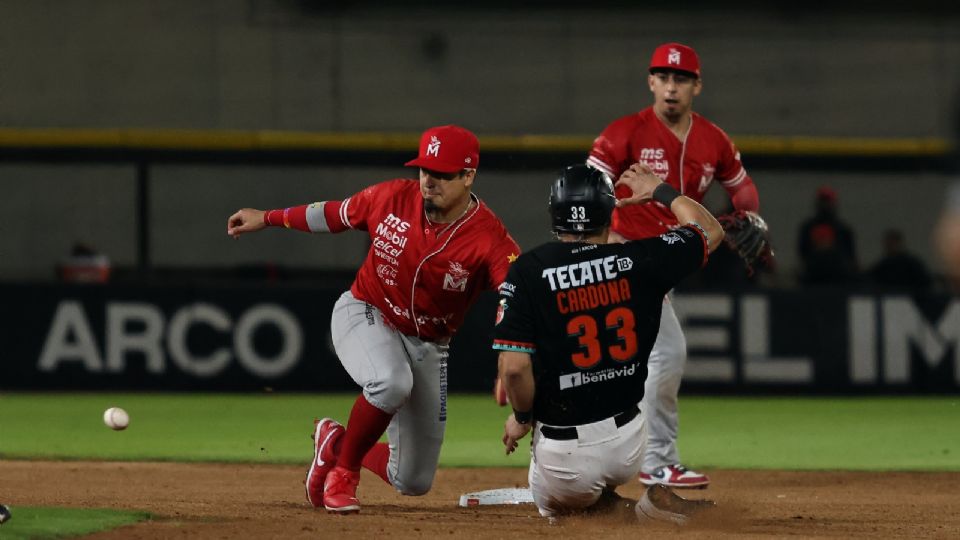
116,418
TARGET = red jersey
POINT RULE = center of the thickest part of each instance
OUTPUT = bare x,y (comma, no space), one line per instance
423,276
690,165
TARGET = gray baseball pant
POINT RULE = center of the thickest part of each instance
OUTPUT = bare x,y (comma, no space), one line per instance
664,372
401,375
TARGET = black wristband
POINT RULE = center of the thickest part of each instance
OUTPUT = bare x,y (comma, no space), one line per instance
665,194
523,417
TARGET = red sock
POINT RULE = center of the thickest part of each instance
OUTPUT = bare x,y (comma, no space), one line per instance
376,460
367,423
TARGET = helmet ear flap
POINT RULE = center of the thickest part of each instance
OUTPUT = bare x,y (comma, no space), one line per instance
581,200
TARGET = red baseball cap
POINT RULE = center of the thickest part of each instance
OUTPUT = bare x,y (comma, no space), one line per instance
447,149
675,56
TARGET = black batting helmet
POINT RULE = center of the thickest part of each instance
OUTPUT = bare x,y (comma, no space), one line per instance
581,200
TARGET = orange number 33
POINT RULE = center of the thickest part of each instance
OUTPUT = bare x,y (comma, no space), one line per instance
584,327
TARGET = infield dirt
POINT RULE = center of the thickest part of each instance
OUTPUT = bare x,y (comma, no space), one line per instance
267,501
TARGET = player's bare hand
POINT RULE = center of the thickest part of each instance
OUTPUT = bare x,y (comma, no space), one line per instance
245,220
641,181
513,431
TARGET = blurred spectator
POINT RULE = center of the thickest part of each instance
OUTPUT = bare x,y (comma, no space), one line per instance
948,235
948,229
898,269
84,265
826,244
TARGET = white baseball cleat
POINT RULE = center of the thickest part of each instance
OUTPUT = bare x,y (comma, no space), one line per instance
660,503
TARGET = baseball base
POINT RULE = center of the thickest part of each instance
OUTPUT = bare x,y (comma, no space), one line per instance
497,496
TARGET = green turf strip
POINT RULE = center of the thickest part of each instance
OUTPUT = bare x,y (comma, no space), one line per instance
42,523
877,433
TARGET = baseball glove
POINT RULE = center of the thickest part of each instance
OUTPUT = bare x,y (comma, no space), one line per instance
747,235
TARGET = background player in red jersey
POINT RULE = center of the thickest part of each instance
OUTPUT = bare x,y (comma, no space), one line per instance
435,247
688,152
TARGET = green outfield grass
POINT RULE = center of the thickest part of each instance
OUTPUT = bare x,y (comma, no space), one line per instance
30,523
881,433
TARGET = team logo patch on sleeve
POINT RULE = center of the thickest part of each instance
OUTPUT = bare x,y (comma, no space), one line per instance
671,237
501,310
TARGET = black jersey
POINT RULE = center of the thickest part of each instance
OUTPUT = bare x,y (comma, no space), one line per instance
589,315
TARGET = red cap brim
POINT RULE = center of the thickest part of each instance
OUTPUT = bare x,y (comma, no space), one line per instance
434,165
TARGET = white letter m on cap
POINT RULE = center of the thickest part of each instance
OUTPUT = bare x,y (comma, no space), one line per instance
673,57
433,149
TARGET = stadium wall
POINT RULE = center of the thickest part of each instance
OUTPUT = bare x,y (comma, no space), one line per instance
770,68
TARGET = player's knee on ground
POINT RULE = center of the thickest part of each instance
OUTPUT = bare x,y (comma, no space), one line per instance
414,485
391,389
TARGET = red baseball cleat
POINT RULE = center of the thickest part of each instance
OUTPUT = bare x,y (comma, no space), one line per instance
326,433
676,476
340,491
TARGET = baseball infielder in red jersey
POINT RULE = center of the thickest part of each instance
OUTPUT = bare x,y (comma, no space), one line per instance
688,152
435,247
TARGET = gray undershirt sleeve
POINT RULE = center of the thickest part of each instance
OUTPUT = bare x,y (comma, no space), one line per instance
316,219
